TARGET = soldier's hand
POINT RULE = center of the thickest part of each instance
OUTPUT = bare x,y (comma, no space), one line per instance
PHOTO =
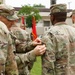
39,50
37,41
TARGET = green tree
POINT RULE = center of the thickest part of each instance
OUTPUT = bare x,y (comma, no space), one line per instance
39,5
29,11
29,20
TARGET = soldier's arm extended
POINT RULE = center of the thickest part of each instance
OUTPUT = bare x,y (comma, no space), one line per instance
24,47
27,46
30,56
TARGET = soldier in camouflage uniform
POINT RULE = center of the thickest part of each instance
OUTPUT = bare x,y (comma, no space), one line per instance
22,46
23,37
8,64
59,58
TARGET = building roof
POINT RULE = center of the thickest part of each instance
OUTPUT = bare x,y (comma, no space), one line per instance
41,9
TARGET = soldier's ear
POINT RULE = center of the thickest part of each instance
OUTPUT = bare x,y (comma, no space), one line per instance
51,17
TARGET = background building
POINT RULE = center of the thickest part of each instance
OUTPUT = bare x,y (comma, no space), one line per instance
44,24
2,1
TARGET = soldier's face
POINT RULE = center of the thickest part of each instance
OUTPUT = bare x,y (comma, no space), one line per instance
73,18
9,23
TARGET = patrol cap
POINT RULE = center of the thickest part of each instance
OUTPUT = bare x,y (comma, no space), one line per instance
8,12
73,12
57,8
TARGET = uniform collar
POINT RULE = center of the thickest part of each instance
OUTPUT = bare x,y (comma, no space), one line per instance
60,23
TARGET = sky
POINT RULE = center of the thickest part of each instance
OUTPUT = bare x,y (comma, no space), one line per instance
46,3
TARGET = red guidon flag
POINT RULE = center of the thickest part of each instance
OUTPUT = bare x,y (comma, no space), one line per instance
34,33
23,22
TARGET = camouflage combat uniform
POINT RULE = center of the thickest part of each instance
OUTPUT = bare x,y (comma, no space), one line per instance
24,60
8,64
59,58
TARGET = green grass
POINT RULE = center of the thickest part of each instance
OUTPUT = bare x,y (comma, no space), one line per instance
36,70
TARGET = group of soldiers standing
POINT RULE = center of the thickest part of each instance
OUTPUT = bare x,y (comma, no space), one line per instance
56,48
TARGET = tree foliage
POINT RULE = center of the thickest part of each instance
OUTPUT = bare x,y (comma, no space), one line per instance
29,20
40,5
29,11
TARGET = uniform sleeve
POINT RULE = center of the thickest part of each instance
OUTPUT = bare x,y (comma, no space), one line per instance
24,47
25,58
48,58
11,65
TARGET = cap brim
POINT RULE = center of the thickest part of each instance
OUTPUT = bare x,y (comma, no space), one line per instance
13,17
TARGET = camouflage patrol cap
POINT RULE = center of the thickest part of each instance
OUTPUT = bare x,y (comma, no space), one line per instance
58,8
8,12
